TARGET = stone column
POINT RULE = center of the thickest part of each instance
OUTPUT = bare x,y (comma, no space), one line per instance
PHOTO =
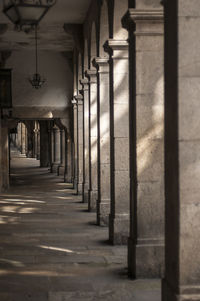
35,143
79,99
103,200
19,138
52,146
182,151
93,187
38,143
35,139
75,145
146,241
68,164
56,151
44,144
4,156
26,140
62,166
23,137
85,86
30,139
119,142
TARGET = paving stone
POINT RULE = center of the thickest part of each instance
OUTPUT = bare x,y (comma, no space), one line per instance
52,251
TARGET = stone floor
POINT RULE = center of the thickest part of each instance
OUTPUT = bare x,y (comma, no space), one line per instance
51,249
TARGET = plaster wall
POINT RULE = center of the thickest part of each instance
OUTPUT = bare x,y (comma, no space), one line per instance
148,4
56,93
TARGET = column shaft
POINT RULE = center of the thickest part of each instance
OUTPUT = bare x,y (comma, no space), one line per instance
79,100
92,193
68,171
23,138
119,141
56,151
44,144
103,200
4,156
182,151
146,241
86,138
62,166
75,146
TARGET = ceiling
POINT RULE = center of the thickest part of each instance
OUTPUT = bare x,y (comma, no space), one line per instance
51,34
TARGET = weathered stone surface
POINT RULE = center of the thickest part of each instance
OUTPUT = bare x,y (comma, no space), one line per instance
51,250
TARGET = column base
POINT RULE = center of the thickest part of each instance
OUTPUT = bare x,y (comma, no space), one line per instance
61,170
92,200
186,293
103,211
119,229
54,167
146,258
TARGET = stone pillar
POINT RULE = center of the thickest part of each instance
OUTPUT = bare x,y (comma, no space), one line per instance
62,166
85,86
119,142
79,99
146,241
38,143
26,140
103,200
19,138
4,156
56,151
23,138
75,145
30,139
44,144
68,164
52,146
35,143
93,187
182,151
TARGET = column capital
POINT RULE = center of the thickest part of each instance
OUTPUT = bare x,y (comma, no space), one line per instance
101,64
84,82
74,102
142,17
56,129
119,46
91,75
79,99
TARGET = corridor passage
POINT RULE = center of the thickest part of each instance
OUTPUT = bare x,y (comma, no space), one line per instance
51,249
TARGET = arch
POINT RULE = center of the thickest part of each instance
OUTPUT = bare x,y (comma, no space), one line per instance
93,45
120,8
104,28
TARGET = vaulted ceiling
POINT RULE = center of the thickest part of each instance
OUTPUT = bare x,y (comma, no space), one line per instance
51,34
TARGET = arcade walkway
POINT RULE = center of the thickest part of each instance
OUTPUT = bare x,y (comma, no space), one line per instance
50,248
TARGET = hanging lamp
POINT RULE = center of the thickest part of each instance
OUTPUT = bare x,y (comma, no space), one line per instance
36,81
26,13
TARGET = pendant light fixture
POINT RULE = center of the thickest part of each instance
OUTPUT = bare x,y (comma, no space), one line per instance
36,81
26,13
